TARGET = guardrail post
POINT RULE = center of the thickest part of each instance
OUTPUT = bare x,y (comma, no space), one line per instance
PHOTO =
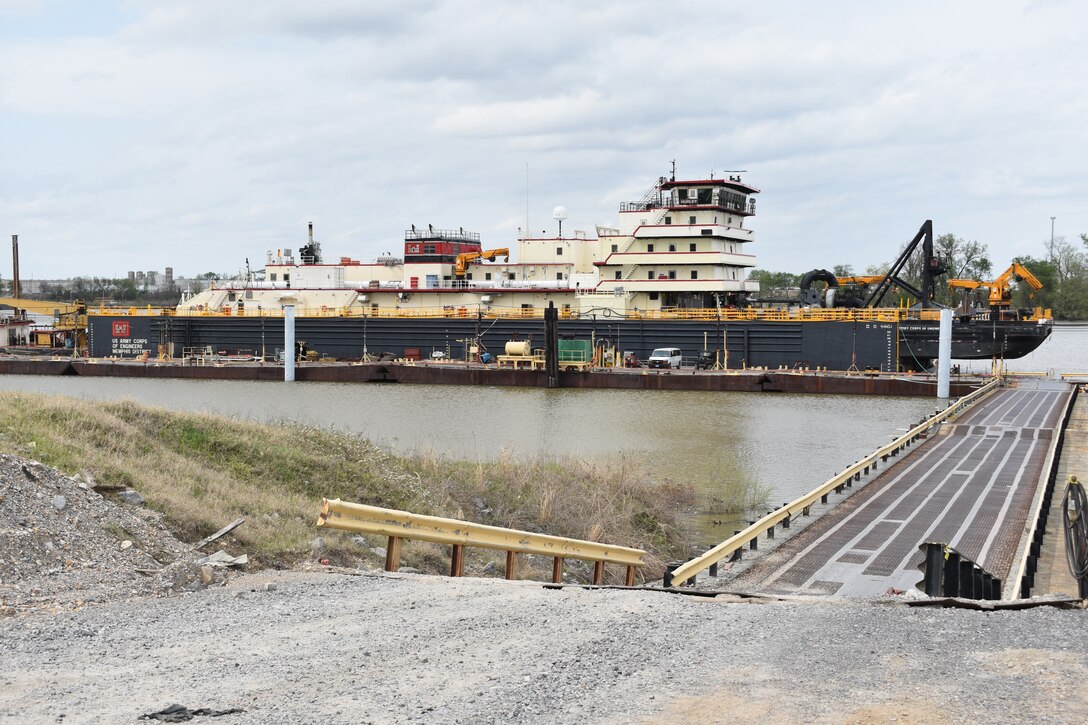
823,499
754,543
457,560
866,471
738,553
629,580
392,553
557,570
598,572
786,522
934,569
666,578
805,511
511,564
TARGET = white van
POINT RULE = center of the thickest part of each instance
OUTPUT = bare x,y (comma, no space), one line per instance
665,357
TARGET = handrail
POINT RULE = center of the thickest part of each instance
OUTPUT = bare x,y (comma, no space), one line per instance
399,525
794,314
689,569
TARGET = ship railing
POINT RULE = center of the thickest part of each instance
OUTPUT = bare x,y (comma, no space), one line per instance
790,314
451,235
731,547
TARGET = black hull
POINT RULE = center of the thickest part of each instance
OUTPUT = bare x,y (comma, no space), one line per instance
835,345
972,340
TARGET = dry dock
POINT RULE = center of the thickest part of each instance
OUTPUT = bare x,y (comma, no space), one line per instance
972,487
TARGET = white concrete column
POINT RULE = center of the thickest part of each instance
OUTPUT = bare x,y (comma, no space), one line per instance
289,344
944,354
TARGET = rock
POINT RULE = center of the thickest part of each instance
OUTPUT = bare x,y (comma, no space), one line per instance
131,496
378,551
408,570
59,502
489,567
194,586
360,540
126,544
270,587
317,544
207,576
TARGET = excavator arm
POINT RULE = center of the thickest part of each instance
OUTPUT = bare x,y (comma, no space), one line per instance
1000,288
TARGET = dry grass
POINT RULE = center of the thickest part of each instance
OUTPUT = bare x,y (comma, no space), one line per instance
202,471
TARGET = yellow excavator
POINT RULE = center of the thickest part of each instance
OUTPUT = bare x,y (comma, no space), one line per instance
464,260
69,321
1001,288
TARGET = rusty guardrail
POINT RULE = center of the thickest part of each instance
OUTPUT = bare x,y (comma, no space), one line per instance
801,505
398,525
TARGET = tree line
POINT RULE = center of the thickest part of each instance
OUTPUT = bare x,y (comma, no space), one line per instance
1062,268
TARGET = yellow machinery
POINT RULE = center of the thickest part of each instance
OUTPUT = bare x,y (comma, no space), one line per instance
69,320
865,279
464,260
1001,288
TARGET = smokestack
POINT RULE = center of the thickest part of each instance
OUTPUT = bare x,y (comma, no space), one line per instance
15,266
311,225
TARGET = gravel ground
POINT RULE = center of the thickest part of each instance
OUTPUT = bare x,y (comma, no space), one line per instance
86,637
63,544
330,648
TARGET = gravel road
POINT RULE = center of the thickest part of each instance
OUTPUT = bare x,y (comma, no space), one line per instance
331,648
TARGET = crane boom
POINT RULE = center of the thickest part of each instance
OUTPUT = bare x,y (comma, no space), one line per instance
1001,287
467,258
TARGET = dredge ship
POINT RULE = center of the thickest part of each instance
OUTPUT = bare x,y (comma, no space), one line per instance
672,273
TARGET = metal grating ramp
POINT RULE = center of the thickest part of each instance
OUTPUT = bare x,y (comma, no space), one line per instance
971,487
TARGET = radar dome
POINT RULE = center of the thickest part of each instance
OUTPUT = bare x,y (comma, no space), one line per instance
559,213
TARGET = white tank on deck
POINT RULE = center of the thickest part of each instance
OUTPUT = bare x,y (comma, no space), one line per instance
517,347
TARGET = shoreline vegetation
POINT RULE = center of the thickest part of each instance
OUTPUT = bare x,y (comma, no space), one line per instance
201,471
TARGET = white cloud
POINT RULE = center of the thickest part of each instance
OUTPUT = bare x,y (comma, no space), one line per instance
196,134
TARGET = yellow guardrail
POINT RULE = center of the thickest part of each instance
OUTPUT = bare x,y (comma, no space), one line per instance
398,525
801,505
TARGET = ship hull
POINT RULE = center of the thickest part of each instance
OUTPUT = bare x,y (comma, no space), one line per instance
975,339
835,345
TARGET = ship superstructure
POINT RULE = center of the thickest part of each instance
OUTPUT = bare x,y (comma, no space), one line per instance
683,245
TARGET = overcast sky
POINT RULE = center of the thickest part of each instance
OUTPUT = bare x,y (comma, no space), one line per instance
145,134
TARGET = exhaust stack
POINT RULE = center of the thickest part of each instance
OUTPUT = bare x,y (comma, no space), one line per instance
15,266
